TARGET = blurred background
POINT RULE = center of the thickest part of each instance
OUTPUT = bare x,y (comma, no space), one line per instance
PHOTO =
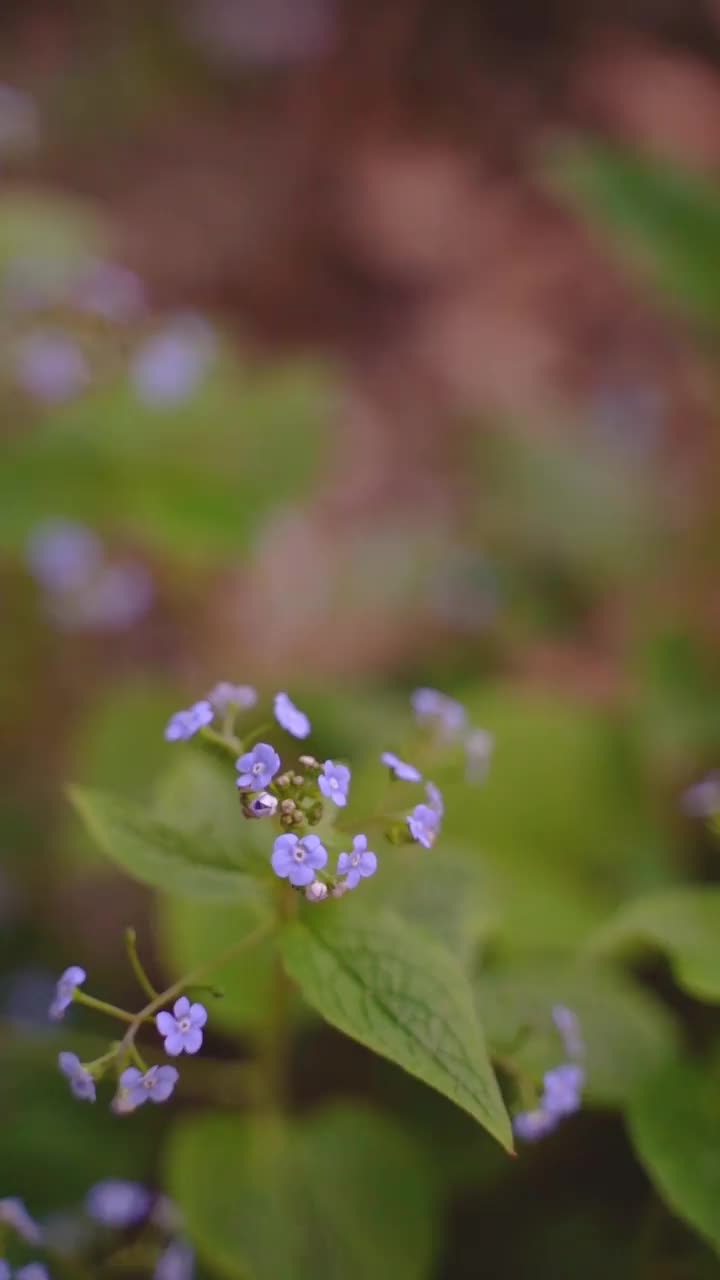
347,346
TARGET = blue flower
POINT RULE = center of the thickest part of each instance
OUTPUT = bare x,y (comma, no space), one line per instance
407,772
289,718
33,1271
257,768
5,1273
14,1214
334,782
156,1084
65,991
424,824
360,863
168,366
81,1082
298,860
263,805
562,1089
182,1029
118,1203
63,555
569,1028
239,697
51,367
702,799
434,798
431,706
175,1263
531,1125
186,723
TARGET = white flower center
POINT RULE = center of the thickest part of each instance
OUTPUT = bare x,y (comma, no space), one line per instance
257,768
299,853
334,783
184,1024
354,859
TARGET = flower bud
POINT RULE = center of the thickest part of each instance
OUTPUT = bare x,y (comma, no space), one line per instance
297,780
287,806
262,805
298,817
283,781
309,762
316,891
339,889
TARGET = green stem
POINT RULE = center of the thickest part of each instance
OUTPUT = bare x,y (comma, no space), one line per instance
102,1006
276,1045
136,965
255,734
231,744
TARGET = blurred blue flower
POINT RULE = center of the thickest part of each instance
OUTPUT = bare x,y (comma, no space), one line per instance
562,1089
32,1271
424,824
156,1084
176,1262
297,860
257,768
183,724
360,863
531,1125
118,1203
402,770
19,120
182,1029
569,1028
14,1214
50,367
81,1082
290,718
83,590
168,366
65,990
432,707
120,595
238,696
63,555
334,782
108,290
434,798
702,799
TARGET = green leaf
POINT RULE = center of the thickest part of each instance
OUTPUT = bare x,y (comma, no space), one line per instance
675,1126
343,1194
161,854
388,986
665,218
627,1032
683,922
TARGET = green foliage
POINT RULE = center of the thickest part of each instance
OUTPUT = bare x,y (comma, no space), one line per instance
675,1126
388,986
343,1194
663,217
684,922
55,231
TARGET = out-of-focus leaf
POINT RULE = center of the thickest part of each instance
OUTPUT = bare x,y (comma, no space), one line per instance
664,218
47,228
343,1194
627,1032
684,922
675,1126
387,985
162,855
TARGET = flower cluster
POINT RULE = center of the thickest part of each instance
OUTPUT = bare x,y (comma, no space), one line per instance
15,1216
562,1085
83,589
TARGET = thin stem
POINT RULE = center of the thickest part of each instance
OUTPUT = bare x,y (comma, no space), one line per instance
232,745
255,734
276,1046
136,965
102,1006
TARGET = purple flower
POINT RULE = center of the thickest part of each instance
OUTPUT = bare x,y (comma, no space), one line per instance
431,706
531,1125
334,782
118,1203
156,1084
175,1263
186,723
360,863
239,697
182,1029
257,768
406,772
168,366
65,990
14,1214
81,1082
479,745
434,798
63,555
263,805
702,799
289,718
119,595
424,823
5,1273
33,1271
298,860
563,1085
50,367
106,289
569,1028
19,122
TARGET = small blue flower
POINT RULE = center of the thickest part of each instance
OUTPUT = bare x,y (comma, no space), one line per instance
81,1082
257,768
63,555
5,1273
434,798
168,367
224,696
702,799
406,772
569,1028
334,782
531,1125
65,991
33,1271
360,863
562,1089
186,723
51,367
156,1084
298,860
182,1029
263,805
424,824
14,1214
431,706
175,1263
289,718
118,1203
